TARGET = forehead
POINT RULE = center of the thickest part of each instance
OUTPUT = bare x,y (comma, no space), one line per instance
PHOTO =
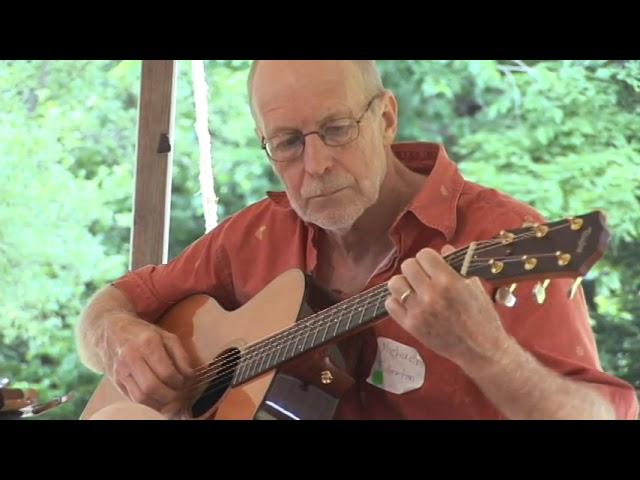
295,94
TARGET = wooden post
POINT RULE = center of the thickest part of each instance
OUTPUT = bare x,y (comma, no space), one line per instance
152,196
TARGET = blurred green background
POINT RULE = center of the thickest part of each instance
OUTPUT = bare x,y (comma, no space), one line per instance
561,135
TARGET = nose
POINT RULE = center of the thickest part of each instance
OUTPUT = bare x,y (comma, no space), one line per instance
316,157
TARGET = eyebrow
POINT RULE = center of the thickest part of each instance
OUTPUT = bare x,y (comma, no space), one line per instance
281,131
336,115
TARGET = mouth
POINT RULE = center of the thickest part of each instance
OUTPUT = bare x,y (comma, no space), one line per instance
325,195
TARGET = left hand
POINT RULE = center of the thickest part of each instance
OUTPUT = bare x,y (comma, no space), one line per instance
451,315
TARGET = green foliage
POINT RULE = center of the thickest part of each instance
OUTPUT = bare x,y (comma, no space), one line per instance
67,134
561,135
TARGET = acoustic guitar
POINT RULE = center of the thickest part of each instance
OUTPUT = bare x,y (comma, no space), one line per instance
269,359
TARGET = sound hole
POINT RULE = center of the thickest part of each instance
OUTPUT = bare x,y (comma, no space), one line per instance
222,369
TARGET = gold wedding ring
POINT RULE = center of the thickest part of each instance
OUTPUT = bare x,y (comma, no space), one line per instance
405,295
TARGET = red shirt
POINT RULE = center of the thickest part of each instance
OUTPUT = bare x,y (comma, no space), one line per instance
236,260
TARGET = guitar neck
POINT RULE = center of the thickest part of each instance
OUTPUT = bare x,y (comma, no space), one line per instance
312,332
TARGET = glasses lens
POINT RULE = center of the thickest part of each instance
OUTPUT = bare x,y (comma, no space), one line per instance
340,132
285,147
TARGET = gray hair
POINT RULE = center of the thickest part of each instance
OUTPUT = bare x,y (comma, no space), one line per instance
370,79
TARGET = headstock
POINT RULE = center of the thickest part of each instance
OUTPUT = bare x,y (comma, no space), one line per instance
566,248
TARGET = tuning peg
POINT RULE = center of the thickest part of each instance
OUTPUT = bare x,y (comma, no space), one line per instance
496,266
575,223
529,262
539,291
563,258
540,230
574,288
506,237
505,296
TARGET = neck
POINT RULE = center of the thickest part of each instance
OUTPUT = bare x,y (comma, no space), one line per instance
370,233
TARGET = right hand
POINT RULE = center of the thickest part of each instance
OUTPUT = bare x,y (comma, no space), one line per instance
148,364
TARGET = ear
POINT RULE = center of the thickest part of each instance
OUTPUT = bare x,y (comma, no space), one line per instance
390,117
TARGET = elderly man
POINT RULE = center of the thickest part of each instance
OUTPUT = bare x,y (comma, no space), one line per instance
360,210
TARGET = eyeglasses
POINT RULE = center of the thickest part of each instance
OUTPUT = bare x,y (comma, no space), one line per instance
336,133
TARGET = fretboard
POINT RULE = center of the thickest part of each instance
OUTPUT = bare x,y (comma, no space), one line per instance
311,332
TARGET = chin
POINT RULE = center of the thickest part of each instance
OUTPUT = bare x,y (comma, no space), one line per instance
339,216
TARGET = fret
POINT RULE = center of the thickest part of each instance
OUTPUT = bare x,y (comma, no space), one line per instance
239,372
290,350
285,346
342,323
325,326
369,312
236,377
357,310
247,366
350,317
309,339
380,308
261,356
282,347
315,334
298,346
286,355
306,336
337,322
272,349
252,366
264,363
361,315
255,363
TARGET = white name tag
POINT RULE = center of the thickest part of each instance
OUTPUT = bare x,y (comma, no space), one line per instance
398,368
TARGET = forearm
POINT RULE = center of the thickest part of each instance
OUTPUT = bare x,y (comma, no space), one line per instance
106,305
522,388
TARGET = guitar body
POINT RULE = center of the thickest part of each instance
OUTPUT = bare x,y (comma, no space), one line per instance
299,389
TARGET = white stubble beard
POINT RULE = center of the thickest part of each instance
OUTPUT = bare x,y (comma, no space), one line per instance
343,218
